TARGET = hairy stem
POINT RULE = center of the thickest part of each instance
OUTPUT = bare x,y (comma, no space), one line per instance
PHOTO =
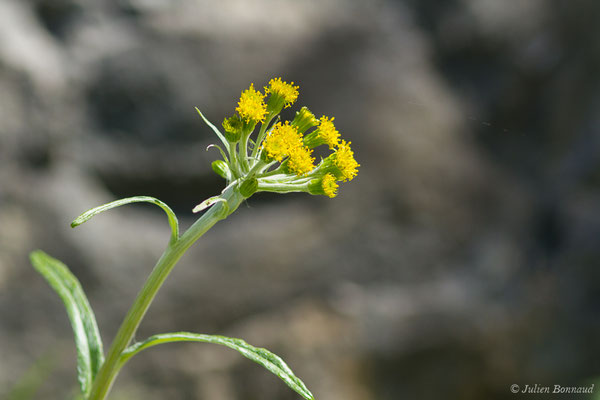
110,369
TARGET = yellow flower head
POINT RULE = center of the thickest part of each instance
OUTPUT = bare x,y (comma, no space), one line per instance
280,142
232,128
282,94
304,120
324,134
328,133
344,161
329,185
287,91
301,161
275,147
324,185
252,107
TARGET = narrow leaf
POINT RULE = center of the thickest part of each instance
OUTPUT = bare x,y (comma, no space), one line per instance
87,337
259,355
137,199
210,146
215,130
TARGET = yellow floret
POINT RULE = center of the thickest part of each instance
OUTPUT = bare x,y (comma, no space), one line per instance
286,91
282,139
330,187
232,128
275,147
328,133
300,161
251,106
304,120
343,159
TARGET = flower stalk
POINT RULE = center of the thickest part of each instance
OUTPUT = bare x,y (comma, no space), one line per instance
110,369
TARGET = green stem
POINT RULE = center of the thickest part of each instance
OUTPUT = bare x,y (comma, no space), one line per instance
276,171
165,264
235,165
278,187
261,135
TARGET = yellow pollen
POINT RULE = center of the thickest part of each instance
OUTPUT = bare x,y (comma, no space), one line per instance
280,142
300,161
330,187
251,106
287,91
345,162
328,133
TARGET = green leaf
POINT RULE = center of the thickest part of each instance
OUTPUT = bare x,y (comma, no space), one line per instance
210,146
87,338
137,199
215,130
261,356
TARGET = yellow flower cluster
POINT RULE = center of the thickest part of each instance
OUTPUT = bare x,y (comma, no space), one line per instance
300,161
285,141
280,159
280,142
341,162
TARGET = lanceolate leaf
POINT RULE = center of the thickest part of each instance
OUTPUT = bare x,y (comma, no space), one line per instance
137,199
87,338
261,356
215,130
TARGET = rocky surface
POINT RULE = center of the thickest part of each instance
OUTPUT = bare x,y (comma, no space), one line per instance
461,260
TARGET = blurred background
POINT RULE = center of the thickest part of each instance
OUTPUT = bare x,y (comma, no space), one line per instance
462,259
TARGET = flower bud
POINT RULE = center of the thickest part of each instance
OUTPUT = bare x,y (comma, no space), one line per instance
222,169
249,187
232,128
